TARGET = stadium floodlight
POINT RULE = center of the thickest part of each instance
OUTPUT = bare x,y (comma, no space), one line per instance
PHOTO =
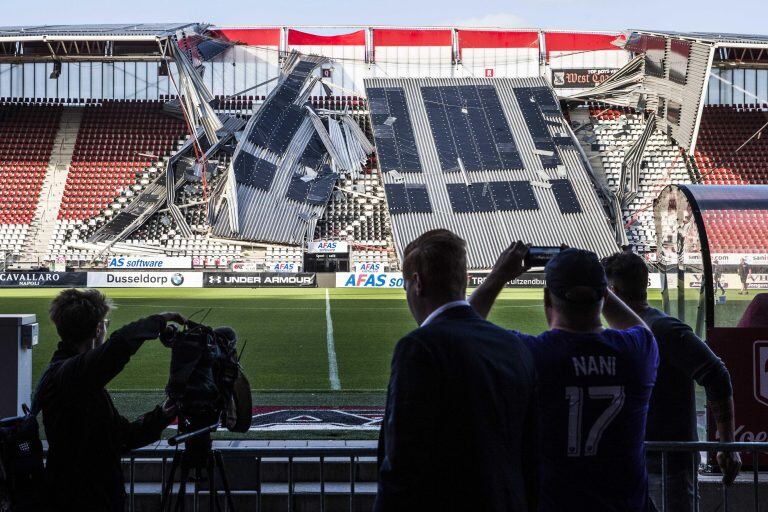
543,152
56,70
396,176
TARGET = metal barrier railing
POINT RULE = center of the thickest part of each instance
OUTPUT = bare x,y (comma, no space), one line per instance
354,454
665,447
351,453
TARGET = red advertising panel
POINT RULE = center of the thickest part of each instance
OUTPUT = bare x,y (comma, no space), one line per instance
745,353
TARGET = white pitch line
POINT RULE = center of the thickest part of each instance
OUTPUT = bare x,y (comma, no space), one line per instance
333,366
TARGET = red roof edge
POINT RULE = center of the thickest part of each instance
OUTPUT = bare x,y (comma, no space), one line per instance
410,37
250,36
297,37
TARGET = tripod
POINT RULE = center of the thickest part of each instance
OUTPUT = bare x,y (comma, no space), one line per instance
199,456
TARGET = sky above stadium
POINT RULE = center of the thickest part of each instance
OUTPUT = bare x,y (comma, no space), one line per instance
745,16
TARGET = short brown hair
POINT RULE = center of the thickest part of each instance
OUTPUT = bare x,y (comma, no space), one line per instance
439,257
627,272
77,313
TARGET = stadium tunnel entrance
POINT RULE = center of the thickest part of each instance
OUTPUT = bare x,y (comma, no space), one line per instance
714,275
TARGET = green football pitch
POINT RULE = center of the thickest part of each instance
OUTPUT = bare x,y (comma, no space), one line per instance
287,338
286,332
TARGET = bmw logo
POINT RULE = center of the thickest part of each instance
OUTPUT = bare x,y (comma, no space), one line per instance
177,279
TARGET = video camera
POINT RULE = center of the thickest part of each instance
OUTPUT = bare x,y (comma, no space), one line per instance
206,382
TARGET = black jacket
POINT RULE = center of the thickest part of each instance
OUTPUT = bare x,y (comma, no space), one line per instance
458,429
86,435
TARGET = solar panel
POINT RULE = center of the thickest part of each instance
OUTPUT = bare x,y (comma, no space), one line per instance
408,198
298,189
546,101
285,129
524,196
480,129
565,196
482,198
397,198
321,187
458,195
313,153
418,198
534,119
253,171
395,142
502,196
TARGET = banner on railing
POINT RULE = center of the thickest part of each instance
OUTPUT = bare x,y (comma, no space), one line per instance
42,279
259,280
145,279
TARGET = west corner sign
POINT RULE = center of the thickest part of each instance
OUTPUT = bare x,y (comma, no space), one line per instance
42,279
572,78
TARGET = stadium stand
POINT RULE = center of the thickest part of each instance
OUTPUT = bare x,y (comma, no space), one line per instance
737,231
613,132
719,153
119,150
27,133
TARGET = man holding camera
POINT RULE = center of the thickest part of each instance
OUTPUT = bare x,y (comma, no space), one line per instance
86,434
594,384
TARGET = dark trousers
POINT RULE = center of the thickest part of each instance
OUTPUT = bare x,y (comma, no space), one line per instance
680,491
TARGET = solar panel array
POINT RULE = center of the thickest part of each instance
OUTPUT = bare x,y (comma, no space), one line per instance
316,191
254,171
467,122
393,130
535,102
408,198
565,196
492,196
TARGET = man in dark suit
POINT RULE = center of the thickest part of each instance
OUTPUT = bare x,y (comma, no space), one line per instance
458,429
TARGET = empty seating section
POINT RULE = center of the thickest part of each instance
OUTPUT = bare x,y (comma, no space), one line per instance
27,133
357,214
283,259
614,132
740,232
370,260
116,143
724,129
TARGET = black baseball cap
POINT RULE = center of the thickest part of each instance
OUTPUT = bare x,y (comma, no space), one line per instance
576,275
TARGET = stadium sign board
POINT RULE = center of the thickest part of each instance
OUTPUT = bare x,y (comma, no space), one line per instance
572,78
42,279
527,280
369,280
327,246
245,266
145,279
259,280
149,262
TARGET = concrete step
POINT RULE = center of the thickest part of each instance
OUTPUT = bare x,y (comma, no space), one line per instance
273,497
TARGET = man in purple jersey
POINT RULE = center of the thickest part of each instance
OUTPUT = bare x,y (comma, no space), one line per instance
593,385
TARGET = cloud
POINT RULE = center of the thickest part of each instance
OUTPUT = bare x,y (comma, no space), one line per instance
502,19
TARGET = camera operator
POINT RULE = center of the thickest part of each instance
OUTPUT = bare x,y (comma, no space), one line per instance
86,434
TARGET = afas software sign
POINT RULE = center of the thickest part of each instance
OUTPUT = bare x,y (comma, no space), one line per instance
259,280
145,279
369,280
325,246
149,262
